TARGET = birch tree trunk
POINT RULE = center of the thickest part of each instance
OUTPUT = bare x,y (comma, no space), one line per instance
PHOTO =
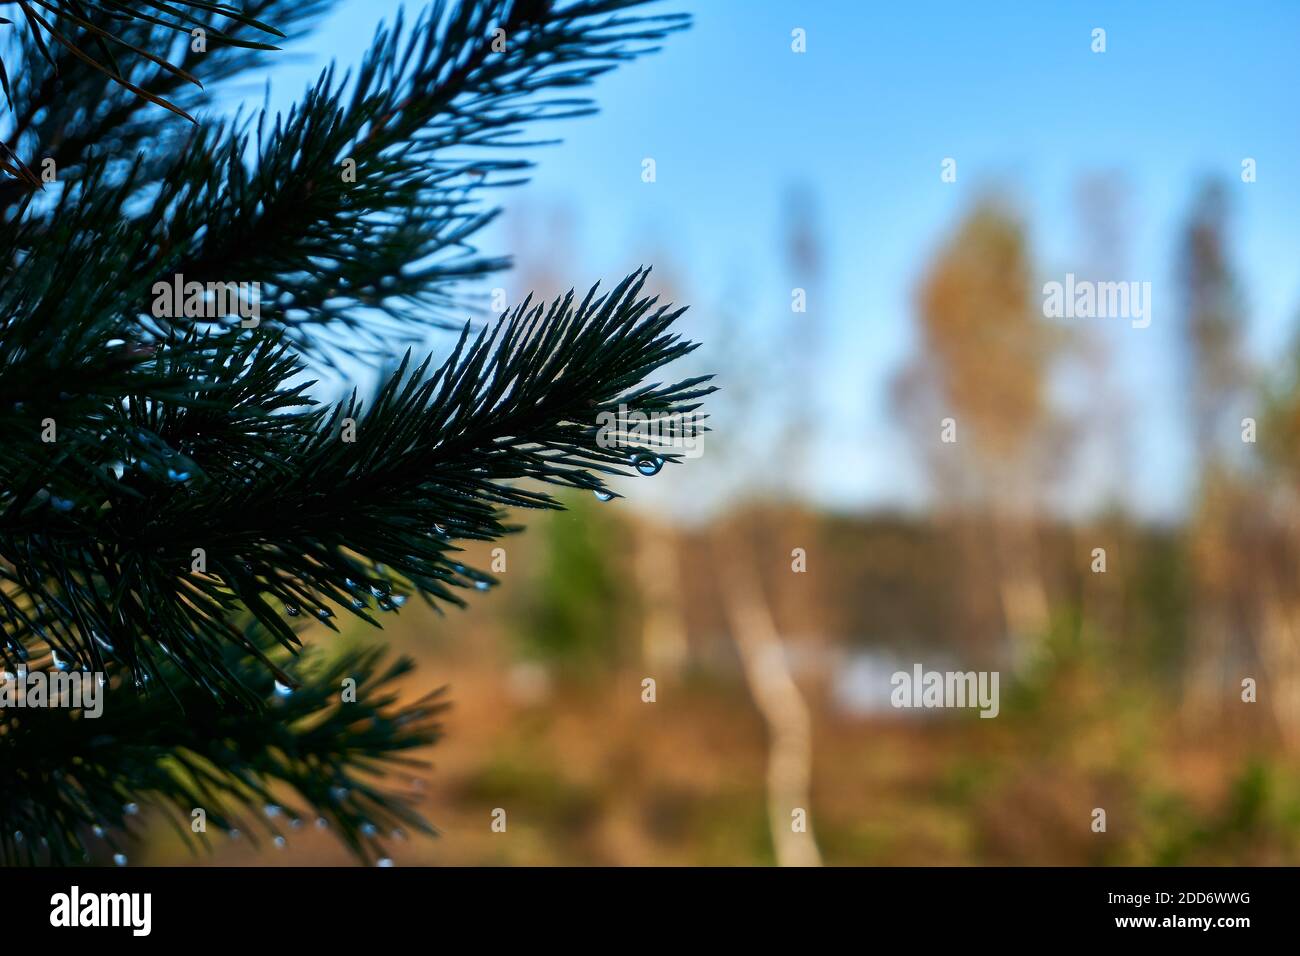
789,726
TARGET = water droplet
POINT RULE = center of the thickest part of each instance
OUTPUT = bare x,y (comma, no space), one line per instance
648,464
292,610
271,810
379,592
358,603
369,829
119,859
385,862
439,530
398,599
284,690
175,474
324,613
602,495
351,585
339,793
280,842
18,836
321,823
60,504
97,830
234,833
482,585
132,809
295,824
103,642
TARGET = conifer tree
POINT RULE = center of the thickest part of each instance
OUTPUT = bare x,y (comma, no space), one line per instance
176,500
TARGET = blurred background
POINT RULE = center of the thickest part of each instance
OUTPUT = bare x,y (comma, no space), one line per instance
863,231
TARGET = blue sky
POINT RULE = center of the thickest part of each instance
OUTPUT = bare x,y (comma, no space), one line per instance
734,119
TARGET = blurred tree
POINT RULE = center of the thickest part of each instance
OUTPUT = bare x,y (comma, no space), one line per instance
983,360
1214,317
1223,528
1103,414
1100,410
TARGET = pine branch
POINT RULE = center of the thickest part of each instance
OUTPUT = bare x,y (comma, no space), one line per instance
289,515
47,120
71,785
175,505
89,31
379,259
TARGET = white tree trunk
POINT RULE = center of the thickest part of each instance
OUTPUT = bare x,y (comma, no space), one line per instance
789,726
